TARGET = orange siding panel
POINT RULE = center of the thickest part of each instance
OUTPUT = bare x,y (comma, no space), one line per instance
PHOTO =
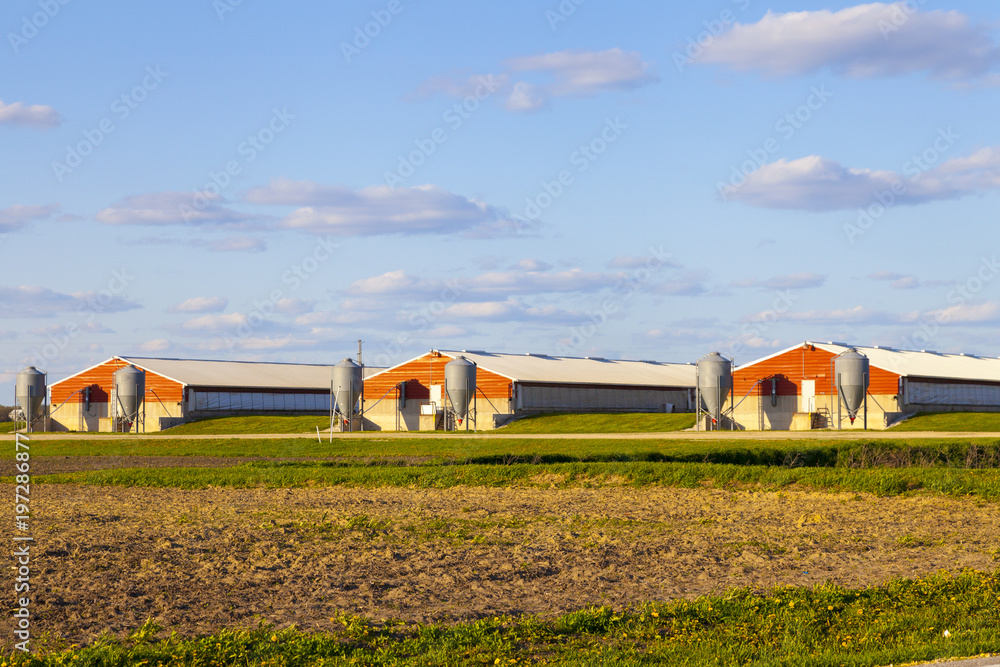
428,370
99,379
800,364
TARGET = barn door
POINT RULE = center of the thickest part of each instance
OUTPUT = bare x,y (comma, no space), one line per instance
807,401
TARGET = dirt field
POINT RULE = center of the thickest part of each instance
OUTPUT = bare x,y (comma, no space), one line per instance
109,558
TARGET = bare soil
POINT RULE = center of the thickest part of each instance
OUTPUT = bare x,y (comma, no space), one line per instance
108,558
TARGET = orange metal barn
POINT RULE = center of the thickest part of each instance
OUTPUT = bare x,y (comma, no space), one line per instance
178,390
794,388
411,396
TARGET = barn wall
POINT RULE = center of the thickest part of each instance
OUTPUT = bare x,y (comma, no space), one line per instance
542,397
420,374
164,400
789,370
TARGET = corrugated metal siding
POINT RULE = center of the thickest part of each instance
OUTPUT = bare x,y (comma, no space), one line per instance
428,370
957,393
564,397
166,390
230,401
800,364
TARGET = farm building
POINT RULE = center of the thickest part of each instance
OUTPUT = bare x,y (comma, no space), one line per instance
178,390
411,396
795,388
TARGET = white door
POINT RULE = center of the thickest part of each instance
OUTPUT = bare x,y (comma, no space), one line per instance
808,400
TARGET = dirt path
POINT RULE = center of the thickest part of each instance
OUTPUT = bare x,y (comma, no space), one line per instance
109,558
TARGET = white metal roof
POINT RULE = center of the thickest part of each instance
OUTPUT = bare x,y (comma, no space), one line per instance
576,370
913,363
238,374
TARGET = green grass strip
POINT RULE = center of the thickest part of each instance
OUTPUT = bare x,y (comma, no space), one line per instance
879,481
952,421
252,424
574,422
916,452
901,621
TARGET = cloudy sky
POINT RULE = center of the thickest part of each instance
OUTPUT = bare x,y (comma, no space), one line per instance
273,181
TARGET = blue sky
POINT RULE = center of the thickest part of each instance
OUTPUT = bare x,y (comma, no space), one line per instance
273,181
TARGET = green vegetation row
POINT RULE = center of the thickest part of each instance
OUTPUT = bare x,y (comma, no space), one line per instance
952,421
554,423
901,621
917,452
984,484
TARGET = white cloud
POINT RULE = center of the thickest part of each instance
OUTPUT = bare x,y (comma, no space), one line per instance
586,73
858,315
225,244
215,323
378,210
393,282
570,73
175,208
864,41
792,281
815,183
531,264
156,345
14,218
289,306
689,286
896,280
233,244
36,115
86,327
525,97
534,282
636,262
201,304
982,313
34,301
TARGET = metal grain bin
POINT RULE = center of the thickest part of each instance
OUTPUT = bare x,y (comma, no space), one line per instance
130,386
348,381
460,383
715,381
851,371
29,391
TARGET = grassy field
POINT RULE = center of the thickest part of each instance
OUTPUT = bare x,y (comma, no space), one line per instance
547,423
982,484
6,427
952,421
601,423
915,452
888,624
252,424
899,622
